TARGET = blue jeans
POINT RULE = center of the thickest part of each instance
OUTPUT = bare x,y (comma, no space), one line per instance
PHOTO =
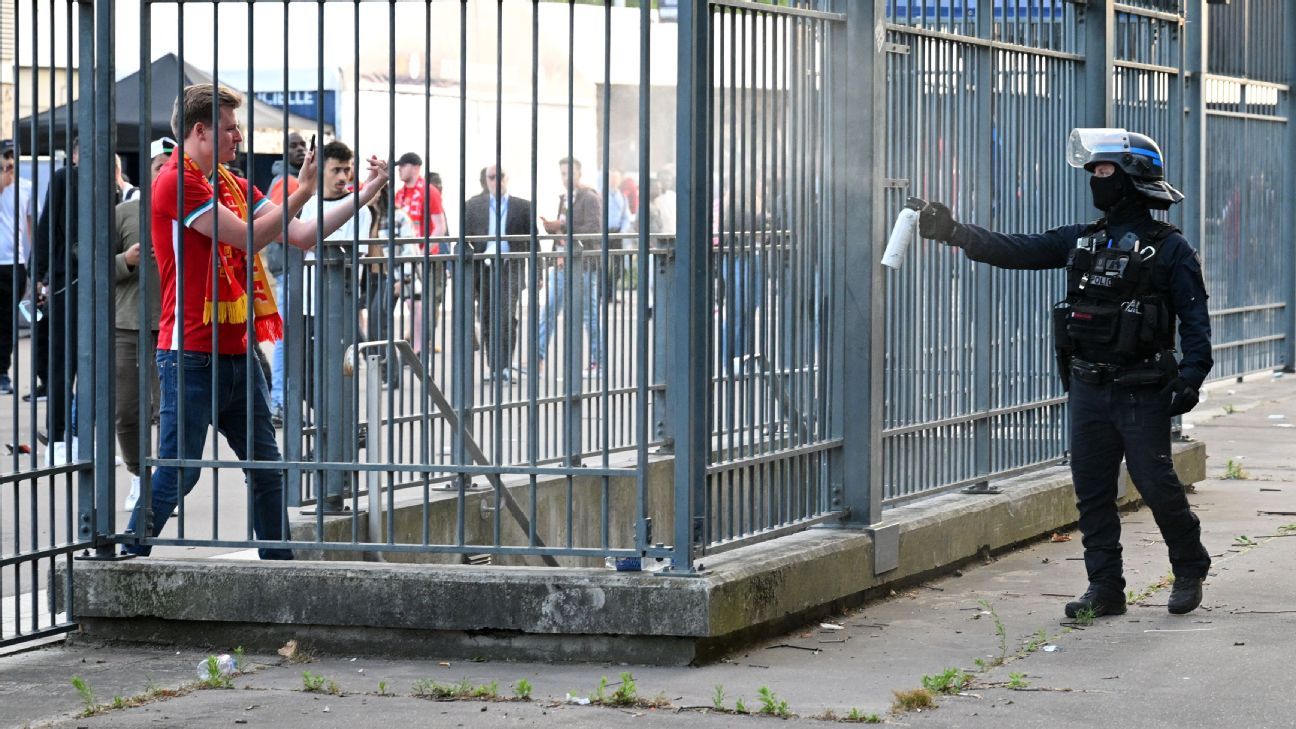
586,295
744,280
277,360
268,513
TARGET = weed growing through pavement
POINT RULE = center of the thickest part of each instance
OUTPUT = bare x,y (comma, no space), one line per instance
1017,681
239,656
426,688
999,631
1229,409
382,688
1161,584
86,693
1287,529
625,694
522,690
718,698
1244,541
949,681
1233,471
771,704
740,707
857,716
316,683
912,700
1036,641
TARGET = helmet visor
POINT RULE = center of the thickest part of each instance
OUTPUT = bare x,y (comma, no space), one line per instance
1084,146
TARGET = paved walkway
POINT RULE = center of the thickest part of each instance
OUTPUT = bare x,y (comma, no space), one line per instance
1227,664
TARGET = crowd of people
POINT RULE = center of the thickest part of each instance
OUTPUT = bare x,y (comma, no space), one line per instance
223,233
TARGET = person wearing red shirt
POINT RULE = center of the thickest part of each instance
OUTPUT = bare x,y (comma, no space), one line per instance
421,203
203,343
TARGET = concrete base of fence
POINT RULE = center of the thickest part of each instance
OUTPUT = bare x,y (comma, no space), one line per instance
561,614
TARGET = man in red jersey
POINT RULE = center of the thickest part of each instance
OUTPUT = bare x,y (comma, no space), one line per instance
207,298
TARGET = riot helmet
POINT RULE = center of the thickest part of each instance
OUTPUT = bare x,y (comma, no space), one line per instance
1137,155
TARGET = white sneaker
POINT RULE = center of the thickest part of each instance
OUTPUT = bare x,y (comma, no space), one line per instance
133,496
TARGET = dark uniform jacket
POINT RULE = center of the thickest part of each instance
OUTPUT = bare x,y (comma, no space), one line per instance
1176,273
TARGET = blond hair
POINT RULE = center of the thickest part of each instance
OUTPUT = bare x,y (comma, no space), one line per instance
197,104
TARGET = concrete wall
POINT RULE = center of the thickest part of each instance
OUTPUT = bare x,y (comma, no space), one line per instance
566,614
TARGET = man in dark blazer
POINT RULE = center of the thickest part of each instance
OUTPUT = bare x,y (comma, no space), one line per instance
497,279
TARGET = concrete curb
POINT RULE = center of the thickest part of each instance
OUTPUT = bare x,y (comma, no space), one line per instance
525,613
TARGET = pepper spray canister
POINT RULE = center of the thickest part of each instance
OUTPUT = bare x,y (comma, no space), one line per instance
902,233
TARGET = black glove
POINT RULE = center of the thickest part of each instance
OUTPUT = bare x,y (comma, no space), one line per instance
936,222
1183,396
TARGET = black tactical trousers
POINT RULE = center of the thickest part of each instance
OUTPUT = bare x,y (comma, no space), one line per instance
1109,421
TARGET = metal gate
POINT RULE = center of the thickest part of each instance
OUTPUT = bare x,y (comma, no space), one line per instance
1247,103
48,506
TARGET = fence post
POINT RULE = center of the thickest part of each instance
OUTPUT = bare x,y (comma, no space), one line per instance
983,212
1099,29
857,359
1195,125
1289,52
690,371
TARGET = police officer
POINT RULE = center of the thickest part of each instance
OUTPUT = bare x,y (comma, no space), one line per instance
1129,278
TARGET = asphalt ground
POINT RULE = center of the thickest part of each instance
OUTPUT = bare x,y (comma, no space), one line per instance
1000,622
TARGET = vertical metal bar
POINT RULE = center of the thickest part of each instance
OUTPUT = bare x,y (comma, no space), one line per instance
856,467
90,169
97,360
498,319
1099,29
374,444
1288,277
689,310
602,277
1193,178
462,334
642,537
533,281
983,342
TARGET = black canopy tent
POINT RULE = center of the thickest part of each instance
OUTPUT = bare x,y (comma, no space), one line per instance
166,79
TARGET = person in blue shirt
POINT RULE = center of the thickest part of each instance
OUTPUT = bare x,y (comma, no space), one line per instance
1132,281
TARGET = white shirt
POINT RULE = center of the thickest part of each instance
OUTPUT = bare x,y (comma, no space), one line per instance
7,221
356,227
666,203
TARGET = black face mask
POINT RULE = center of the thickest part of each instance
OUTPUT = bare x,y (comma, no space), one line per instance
1109,191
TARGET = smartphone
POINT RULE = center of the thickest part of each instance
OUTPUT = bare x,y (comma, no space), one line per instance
312,148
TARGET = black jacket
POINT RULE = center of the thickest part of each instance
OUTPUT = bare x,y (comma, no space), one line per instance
1176,273
519,221
54,238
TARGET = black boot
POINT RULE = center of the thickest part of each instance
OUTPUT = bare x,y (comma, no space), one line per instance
1185,596
1100,601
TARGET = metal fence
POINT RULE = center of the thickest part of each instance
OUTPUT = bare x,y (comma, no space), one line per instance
1246,100
535,382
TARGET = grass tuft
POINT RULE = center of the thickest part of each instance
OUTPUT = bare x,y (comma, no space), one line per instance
912,700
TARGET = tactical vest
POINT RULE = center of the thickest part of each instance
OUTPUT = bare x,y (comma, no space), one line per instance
1112,314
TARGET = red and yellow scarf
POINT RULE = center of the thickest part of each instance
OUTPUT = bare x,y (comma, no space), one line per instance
225,293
